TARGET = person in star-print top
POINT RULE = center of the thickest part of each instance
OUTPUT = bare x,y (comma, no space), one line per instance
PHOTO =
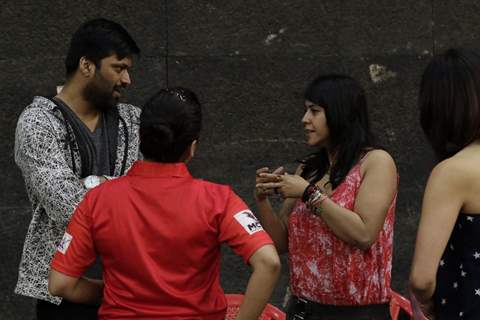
445,275
337,218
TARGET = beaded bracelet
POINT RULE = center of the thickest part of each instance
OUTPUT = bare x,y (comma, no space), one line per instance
308,192
316,197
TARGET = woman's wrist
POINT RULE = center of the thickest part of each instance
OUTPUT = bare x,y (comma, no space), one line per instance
313,197
309,190
260,198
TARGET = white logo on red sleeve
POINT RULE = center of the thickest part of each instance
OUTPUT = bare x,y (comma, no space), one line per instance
65,243
248,221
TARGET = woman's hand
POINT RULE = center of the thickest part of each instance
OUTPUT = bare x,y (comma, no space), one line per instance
264,176
288,186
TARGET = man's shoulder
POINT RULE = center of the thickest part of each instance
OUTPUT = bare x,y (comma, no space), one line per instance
212,188
41,103
39,110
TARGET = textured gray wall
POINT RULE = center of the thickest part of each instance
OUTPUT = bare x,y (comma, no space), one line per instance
249,62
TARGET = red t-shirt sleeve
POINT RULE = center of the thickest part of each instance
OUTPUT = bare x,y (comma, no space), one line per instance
76,251
240,229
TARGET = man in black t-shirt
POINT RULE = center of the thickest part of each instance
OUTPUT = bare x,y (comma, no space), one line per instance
71,143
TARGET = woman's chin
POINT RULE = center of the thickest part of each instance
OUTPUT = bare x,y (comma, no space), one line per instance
314,144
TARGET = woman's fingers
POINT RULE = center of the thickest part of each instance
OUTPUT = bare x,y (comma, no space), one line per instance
269,185
262,170
272,176
279,171
266,180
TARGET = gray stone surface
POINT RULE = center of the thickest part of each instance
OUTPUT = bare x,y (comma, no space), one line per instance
21,79
249,61
456,24
43,29
13,226
326,28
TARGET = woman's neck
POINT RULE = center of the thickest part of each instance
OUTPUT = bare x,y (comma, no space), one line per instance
331,157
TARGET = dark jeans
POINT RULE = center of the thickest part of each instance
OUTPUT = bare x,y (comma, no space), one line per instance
301,309
65,311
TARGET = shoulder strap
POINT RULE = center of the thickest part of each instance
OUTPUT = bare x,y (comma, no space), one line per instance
112,123
84,142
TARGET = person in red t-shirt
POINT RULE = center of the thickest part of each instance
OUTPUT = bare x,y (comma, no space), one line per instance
159,231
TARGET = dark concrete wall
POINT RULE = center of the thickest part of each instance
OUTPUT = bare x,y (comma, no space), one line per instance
249,62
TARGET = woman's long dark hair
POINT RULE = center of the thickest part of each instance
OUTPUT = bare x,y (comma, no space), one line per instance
345,105
450,101
171,120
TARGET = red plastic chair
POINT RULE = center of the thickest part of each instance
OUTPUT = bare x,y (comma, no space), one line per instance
269,313
398,303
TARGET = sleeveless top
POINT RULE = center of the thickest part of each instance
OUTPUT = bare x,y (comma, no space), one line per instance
327,270
457,294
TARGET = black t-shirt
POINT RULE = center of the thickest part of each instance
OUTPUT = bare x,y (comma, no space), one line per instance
101,165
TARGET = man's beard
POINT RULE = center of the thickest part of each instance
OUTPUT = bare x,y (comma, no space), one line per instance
100,94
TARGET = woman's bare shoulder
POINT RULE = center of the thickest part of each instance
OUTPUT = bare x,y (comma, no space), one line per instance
379,159
458,168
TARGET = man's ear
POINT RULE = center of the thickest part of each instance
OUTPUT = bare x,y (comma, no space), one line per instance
86,67
190,152
193,148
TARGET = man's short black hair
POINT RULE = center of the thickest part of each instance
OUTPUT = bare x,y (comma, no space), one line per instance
97,39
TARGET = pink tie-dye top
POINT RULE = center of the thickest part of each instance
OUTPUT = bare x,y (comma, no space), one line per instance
327,270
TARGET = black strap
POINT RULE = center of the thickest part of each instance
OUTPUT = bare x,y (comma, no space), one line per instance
85,144
125,152
112,119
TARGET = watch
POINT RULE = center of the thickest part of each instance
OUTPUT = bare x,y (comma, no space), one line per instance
91,182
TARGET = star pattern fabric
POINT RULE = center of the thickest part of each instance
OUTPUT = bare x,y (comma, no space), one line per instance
457,294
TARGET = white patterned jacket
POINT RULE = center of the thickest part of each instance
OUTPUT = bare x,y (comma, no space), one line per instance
44,154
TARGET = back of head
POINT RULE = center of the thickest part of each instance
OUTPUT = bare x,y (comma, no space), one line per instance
97,39
449,101
345,105
171,120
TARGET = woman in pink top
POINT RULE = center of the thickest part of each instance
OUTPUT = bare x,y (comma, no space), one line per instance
337,218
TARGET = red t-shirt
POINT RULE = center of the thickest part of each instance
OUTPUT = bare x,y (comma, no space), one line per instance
159,232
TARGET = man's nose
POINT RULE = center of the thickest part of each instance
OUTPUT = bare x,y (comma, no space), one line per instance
126,78
305,118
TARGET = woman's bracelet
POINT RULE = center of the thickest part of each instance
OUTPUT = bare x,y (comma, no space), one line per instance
309,190
313,198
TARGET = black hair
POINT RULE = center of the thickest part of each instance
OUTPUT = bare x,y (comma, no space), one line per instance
97,39
449,101
171,120
345,105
